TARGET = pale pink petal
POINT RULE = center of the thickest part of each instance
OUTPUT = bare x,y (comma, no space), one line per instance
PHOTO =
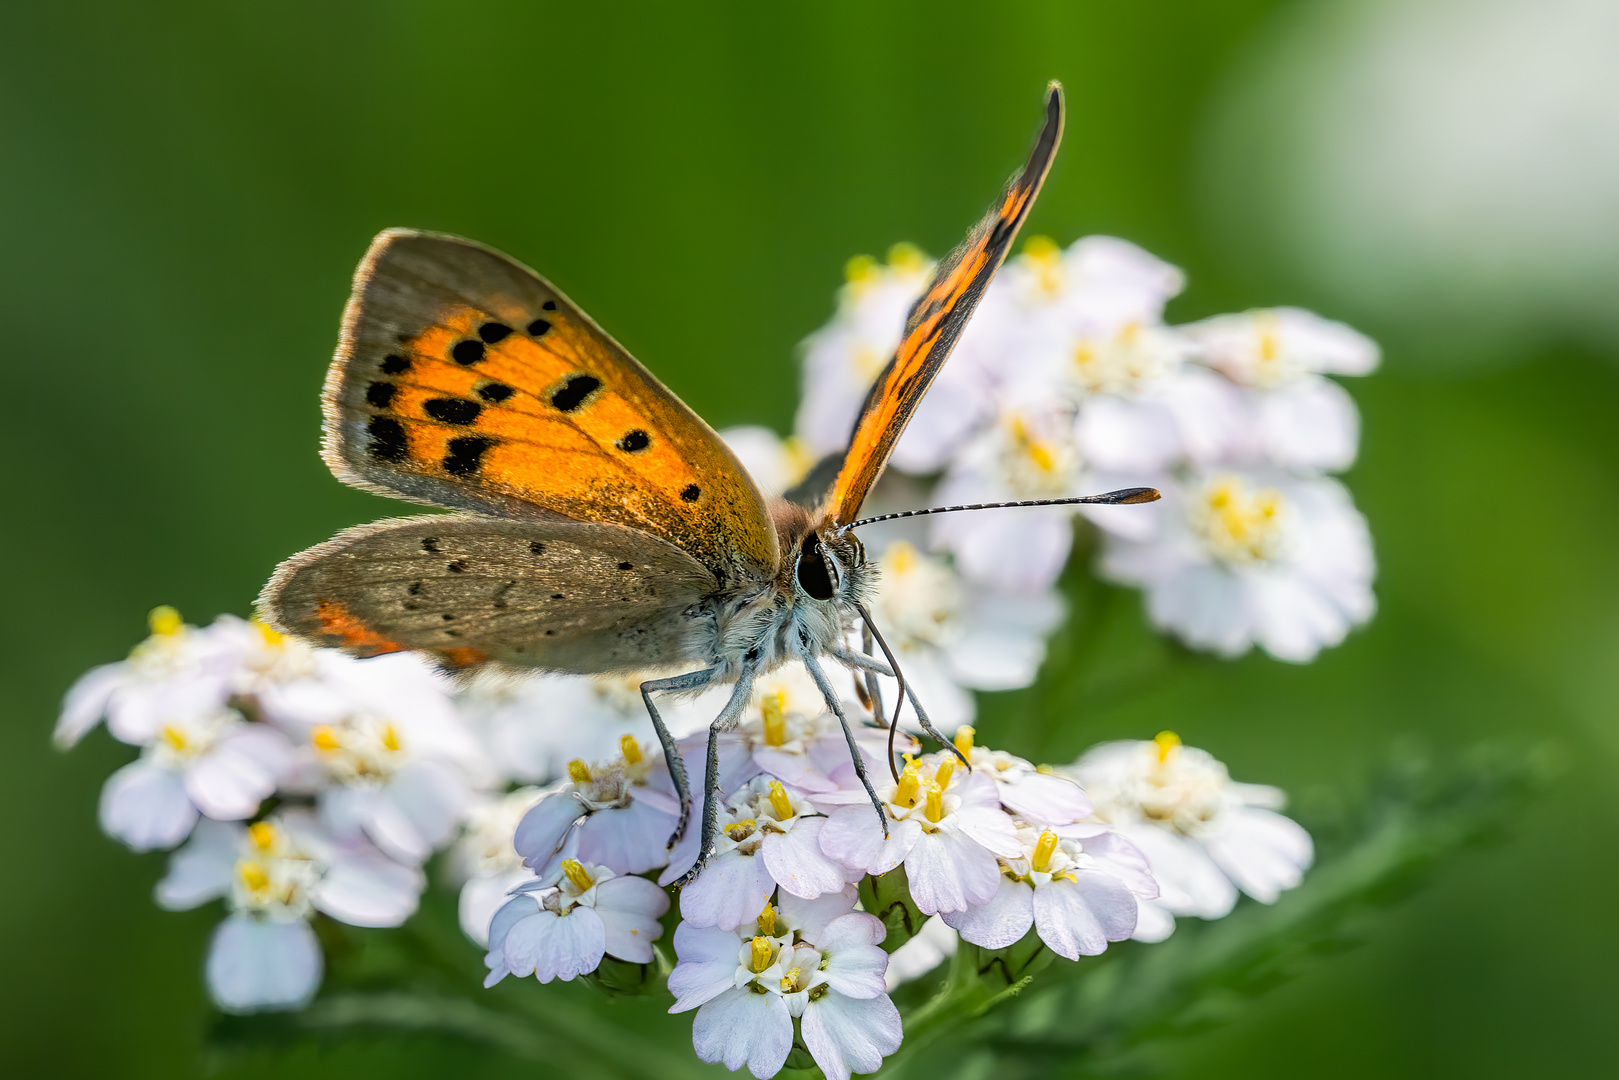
743,1028
814,915
202,869
990,829
1045,799
854,965
255,965
366,888
541,832
707,967
950,873
570,945
631,840
629,908
798,865
846,1035
731,891
1079,918
86,702
230,781
853,837
145,806
1000,922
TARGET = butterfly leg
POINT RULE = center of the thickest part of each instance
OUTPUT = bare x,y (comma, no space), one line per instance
724,722
874,689
873,666
854,751
671,752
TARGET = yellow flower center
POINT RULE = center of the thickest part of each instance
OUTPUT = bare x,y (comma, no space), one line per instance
165,621
325,739
254,877
910,782
741,830
1168,742
946,770
630,749
390,737
762,953
262,834
577,874
270,635
1044,849
780,804
964,739
934,808
175,738
766,921
772,708
1239,525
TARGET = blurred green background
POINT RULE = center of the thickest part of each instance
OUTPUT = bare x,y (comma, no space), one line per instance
186,187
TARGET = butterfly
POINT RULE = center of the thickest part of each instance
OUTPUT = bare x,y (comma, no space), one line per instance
598,525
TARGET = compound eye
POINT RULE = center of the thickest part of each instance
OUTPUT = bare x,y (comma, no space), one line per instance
813,576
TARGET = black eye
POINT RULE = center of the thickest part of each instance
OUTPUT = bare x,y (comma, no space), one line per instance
813,577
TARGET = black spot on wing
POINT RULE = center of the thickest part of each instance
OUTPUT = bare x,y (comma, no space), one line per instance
379,395
468,352
430,545
459,566
493,332
466,454
574,392
387,439
691,493
634,442
536,547
625,566
495,393
539,328
394,364
452,410
549,305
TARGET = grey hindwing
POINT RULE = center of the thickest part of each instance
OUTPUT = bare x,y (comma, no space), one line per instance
560,595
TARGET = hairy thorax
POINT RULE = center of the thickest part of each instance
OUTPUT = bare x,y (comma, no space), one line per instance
807,607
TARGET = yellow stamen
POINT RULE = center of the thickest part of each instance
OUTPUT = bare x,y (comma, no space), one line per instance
772,709
900,558
964,739
763,952
630,749
909,781
325,739
767,921
164,620
942,775
907,258
263,835
779,802
253,876
174,737
789,981
741,830
935,804
270,634
1167,742
578,771
860,268
1269,346
1044,849
1040,247
390,737
577,874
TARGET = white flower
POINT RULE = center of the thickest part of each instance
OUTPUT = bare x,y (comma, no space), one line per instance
1271,348
793,737
1205,835
383,746
178,670
610,814
273,875
946,825
1237,558
951,635
1079,891
814,960
1033,794
772,838
562,931
929,947
486,862
214,764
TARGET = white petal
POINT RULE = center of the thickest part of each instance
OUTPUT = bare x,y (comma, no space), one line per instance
845,1035
731,891
631,840
1154,922
798,865
366,888
991,829
202,869
481,897
571,945
813,916
950,873
145,806
255,965
86,702
743,1028
1263,852
1047,799
241,771
1189,881
707,967
1004,919
541,832
1079,918
629,908
853,836
854,965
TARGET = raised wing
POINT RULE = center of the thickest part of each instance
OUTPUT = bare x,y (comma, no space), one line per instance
935,323
561,595
465,380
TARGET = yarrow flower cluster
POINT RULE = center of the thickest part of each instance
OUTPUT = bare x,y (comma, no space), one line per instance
294,783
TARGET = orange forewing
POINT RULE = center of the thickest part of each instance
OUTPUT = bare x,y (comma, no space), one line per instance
936,321
545,413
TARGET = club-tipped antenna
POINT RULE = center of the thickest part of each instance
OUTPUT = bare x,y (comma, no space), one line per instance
899,698
1121,497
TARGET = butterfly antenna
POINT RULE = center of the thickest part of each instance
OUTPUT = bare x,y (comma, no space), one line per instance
1122,497
899,703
